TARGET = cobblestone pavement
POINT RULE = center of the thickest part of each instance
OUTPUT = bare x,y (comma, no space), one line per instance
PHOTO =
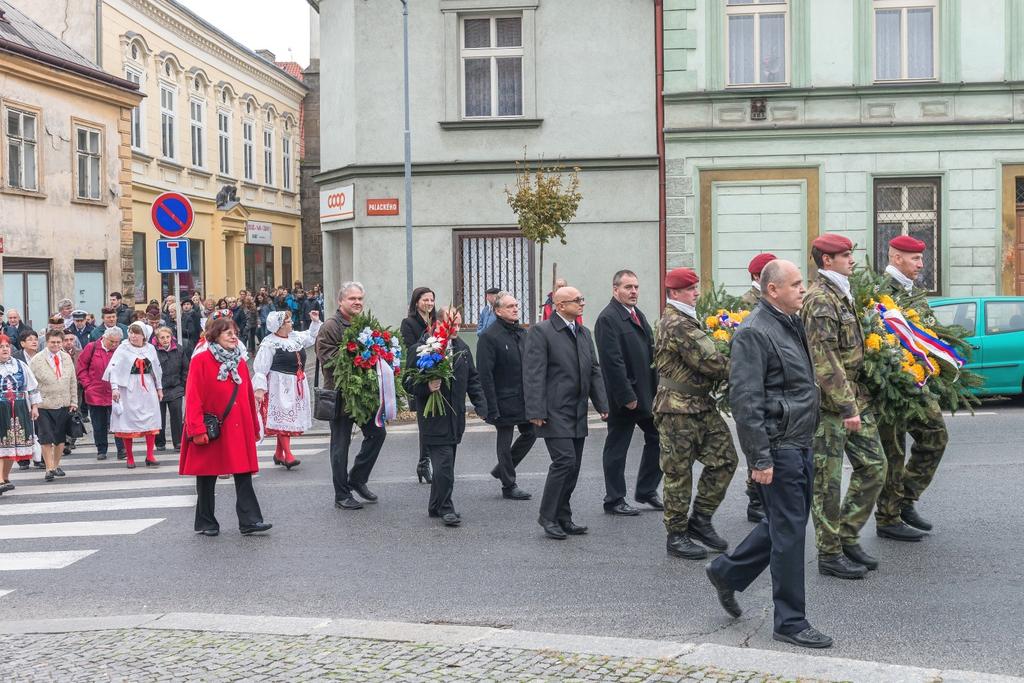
172,655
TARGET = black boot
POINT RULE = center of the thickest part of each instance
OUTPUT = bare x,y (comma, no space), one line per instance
900,532
700,528
726,595
909,515
840,566
680,545
423,471
857,554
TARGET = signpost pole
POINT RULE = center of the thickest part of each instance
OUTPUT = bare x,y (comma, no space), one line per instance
408,156
177,299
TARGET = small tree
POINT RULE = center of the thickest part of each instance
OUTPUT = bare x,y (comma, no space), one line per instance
542,206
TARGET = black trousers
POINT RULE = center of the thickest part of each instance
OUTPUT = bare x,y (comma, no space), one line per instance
778,540
566,456
99,416
442,459
246,505
511,454
341,439
174,408
616,446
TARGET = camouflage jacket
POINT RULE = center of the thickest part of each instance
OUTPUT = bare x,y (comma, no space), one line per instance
750,298
916,299
836,340
688,361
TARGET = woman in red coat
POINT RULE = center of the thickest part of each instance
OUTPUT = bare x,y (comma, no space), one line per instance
214,374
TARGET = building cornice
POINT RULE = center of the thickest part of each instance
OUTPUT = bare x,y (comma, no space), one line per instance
214,42
842,130
45,75
479,167
879,90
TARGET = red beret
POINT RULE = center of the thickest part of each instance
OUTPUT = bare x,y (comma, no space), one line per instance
907,243
831,243
758,263
681,278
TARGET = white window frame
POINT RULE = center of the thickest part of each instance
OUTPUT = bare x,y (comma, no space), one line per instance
224,141
20,143
268,156
904,5
197,131
249,150
756,9
168,122
94,162
286,162
493,53
138,127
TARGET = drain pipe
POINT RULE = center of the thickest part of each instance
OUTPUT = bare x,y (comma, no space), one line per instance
659,80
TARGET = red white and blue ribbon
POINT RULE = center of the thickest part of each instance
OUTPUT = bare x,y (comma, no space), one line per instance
388,409
917,341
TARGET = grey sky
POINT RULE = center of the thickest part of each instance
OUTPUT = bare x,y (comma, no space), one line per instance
281,26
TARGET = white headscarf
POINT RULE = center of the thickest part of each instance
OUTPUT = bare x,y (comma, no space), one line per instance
147,331
275,320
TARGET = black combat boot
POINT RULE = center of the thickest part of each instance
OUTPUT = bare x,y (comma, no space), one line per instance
900,532
909,515
840,566
858,555
700,528
680,545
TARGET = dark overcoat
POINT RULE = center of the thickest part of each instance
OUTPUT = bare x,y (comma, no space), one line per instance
447,429
627,356
499,360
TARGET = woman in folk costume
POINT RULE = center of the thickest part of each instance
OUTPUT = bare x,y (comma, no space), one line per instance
279,378
19,400
135,379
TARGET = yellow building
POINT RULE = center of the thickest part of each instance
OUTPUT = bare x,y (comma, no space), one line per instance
220,125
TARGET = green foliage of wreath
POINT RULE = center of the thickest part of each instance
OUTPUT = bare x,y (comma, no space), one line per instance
360,392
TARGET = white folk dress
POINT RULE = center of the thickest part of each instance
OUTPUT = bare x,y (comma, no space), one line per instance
279,370
135,372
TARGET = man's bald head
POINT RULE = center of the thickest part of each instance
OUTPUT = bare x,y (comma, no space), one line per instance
563,294
568,302
782,285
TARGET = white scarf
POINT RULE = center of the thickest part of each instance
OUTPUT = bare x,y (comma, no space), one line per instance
899,277
683,308
839,280
119,369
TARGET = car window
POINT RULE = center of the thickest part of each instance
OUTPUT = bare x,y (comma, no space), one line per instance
964,314
1004,316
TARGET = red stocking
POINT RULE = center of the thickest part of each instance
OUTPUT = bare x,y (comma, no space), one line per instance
278,452
150,443
128,452
285,443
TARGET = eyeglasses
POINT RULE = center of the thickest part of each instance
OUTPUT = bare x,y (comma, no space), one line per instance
577,300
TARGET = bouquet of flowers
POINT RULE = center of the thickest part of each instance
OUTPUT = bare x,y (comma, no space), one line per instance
435,359
722,313
368,360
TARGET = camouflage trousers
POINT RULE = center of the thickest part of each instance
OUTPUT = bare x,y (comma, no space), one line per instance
906,480
702,437
837,524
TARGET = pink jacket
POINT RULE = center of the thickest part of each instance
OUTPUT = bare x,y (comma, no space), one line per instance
89,368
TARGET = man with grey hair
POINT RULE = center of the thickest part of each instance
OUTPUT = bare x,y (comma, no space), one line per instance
64,309
89,369
328,345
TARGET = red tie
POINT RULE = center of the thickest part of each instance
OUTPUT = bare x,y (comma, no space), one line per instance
56,366
636,318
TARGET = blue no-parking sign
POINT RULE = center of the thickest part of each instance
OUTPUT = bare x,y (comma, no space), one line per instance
172,214
172,256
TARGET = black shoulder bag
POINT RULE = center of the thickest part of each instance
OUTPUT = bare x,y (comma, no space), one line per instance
326,402
213,423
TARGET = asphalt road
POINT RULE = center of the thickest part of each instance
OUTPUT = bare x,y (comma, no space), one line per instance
953,601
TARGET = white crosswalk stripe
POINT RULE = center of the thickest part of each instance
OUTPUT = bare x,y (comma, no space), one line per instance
54,559
5,592
98,505
87,446
112,527
54,488
76,461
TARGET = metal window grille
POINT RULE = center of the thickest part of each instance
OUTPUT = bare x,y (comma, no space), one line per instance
493,259
1020,190
909,207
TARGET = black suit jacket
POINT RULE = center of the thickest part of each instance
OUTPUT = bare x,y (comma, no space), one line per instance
561,373
627,356
447,429
499,359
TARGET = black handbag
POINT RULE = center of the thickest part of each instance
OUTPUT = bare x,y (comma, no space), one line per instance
326,402
213,423
76,427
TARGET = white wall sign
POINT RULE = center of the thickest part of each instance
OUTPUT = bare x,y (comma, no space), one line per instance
258,232
337,204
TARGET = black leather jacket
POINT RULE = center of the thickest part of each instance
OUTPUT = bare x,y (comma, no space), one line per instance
772,390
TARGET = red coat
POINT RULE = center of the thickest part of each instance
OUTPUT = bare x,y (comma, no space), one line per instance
235,451
89,367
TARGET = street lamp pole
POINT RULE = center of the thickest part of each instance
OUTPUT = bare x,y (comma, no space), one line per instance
408,154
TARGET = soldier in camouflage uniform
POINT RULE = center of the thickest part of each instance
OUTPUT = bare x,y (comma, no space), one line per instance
847,426
690,427
895,516
755,508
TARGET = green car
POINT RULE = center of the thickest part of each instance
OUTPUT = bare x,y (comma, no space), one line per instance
995,326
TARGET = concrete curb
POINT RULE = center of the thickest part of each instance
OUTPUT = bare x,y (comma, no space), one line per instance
782,664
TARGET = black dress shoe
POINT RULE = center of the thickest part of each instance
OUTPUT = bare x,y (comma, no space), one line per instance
121,456
680,545
153,463
653,499
858,555
258,528
423,472
59,472
809,637
365,493
101,456
6,486
39,465
50,475
551,529
515,493
726,595
699,527
24,464
841,567
755,511
572,528
909,515
67,450
623,508
900,532
349,503
209,532
451,519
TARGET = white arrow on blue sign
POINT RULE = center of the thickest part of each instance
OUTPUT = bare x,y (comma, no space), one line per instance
172,256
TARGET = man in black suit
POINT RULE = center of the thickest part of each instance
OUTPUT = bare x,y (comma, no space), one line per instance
626,347
499,358
561,373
